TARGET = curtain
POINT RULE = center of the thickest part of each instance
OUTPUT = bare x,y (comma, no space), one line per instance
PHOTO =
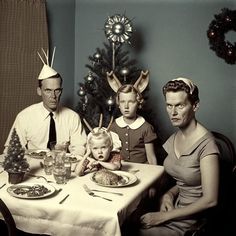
23,32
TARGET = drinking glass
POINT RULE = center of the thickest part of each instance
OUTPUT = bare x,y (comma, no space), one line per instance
59,170
59,173
48,163
67,164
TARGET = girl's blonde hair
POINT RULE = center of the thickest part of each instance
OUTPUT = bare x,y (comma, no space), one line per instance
98,134
128,88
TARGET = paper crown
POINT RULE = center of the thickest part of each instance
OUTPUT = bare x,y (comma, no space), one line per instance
47,70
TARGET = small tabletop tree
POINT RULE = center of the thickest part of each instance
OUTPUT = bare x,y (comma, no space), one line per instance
14,161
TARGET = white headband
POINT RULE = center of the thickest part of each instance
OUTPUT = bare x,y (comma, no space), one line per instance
188,82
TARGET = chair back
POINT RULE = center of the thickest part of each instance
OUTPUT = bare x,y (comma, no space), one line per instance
7,216
219,220
223,222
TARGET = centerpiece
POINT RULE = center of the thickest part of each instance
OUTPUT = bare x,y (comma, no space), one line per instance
15,163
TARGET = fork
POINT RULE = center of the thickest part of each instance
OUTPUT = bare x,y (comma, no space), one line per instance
40,176
103,191
93,194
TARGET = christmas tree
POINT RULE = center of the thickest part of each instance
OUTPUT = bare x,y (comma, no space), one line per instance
96,96
14,160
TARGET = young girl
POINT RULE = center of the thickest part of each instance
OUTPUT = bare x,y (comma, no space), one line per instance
136,134
101,153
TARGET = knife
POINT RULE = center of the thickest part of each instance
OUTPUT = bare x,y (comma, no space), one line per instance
64,198
2,185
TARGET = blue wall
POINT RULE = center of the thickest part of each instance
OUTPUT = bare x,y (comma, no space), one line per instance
172,42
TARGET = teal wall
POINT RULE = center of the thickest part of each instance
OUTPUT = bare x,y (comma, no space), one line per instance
171,42
61,22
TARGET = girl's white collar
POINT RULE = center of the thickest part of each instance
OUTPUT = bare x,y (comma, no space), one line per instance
135,125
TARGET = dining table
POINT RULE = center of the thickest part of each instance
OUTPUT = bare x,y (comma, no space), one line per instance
69,210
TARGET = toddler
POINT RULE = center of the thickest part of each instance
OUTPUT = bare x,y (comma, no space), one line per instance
101,152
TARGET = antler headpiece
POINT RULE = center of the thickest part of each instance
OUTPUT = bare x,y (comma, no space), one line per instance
114,137
47,70
140,85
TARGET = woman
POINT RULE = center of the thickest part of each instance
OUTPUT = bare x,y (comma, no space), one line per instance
192,161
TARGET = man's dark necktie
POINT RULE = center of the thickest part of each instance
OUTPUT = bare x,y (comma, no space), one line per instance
52,131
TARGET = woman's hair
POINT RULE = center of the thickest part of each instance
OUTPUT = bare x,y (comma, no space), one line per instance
128,88
100,134
179,85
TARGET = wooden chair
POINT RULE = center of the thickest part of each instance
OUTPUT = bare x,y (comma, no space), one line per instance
8,219
8,225
219,220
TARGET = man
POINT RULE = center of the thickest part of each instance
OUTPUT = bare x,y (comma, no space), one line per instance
36,123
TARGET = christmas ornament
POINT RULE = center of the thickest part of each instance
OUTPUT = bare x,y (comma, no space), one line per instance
89,78
222,24
124,72
97,56
81,92
110,102
118,29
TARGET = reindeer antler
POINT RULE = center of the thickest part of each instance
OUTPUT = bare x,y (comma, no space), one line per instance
113,81
46,55
142,81
88,126
100,121
109,125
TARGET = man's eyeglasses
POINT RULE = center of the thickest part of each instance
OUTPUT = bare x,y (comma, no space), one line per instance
49,92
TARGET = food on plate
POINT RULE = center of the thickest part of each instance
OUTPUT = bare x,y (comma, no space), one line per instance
38,154
106,177
31,191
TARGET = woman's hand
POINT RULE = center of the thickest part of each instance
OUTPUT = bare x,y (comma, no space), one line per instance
167,202
152,218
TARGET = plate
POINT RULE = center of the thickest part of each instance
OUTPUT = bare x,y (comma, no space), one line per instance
31,190
37,153
127,179
72,158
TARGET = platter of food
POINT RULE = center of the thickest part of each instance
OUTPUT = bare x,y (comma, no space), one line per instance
114,179
37,153
31,190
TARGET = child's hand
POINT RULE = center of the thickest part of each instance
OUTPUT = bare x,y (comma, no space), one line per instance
92,163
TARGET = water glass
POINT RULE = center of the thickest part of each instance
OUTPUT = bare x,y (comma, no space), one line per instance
59,173
48,163
67,165
58,156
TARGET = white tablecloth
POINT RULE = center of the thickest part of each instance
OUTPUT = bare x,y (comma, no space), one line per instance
80,214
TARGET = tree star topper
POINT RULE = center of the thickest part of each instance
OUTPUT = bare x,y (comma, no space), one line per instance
118,29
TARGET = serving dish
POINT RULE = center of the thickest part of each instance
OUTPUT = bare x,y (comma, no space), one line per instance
126,179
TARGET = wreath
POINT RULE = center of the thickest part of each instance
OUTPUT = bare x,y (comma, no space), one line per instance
222,24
